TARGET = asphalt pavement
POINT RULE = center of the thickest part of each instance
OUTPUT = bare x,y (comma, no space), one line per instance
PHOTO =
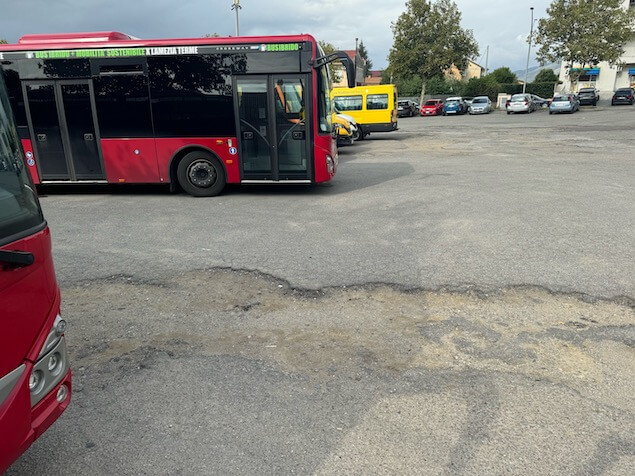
458,300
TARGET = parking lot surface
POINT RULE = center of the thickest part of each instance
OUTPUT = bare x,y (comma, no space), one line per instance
458,300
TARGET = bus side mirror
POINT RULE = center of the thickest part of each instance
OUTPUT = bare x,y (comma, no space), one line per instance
346,61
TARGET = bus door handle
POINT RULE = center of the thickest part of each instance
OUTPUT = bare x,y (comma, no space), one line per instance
298,135
248,135
88,137
41,137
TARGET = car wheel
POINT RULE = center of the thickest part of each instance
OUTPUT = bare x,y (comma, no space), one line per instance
508,113
356,135
201,174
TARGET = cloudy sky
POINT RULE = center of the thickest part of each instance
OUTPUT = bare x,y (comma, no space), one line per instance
501,24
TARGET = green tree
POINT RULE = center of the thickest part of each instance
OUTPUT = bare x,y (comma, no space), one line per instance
363,53
546,76
584,32
428,40
335,66
504,75
3,41
486,86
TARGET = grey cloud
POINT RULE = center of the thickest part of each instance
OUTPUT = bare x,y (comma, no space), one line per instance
494,22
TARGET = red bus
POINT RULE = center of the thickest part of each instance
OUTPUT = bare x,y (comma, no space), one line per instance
196,113
35,378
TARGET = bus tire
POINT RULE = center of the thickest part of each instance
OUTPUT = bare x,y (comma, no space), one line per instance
357,135
201,174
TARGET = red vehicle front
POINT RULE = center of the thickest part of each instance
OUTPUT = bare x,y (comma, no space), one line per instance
35,378
432,107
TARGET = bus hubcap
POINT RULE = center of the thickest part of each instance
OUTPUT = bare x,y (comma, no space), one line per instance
202,174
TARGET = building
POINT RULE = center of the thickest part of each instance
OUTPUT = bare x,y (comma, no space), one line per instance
473,70
604,77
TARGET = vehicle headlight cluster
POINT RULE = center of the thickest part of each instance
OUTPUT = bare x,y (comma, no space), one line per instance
51,366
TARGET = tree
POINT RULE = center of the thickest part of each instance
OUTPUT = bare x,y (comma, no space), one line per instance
363,53
546,76
428,40
486,86
584,32
504,75
335,66
3,41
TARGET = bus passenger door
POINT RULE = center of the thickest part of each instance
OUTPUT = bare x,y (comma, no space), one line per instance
291,126
273,124
62,121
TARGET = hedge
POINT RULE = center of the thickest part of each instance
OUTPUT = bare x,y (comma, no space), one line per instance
543,90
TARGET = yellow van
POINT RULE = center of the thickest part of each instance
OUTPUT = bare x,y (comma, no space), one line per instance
374,108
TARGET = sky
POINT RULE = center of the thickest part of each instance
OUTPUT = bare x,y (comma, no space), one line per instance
501,24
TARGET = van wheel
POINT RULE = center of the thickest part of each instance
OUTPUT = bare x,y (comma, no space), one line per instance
201,174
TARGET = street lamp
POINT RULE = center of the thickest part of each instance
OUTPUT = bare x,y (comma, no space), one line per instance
531,37
236,6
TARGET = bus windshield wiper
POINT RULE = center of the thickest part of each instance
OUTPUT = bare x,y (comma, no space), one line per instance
16,258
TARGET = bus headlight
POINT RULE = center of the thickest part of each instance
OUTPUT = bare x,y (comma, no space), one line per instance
330,165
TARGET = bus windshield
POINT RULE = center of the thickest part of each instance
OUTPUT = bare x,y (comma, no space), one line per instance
19,209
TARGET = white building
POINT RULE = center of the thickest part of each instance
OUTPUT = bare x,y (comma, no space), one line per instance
604,77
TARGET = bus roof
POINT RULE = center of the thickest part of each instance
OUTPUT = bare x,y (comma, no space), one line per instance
114,39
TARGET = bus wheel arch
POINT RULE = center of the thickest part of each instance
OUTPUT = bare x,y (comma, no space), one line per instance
197,171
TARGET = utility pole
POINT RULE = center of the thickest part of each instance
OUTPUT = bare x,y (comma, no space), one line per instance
236,6
356,50
531,37
487,61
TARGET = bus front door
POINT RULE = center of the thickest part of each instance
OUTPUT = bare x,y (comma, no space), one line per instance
62,122
274,128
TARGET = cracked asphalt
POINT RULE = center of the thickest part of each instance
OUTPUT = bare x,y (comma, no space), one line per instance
459,300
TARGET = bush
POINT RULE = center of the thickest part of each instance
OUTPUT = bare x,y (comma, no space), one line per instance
486,86
544,90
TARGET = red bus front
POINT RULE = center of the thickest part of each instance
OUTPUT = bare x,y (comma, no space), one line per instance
35,378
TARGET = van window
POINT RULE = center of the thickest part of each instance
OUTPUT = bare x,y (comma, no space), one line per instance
377,101
348,103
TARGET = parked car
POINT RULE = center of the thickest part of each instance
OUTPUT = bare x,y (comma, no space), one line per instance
432,107
355,129
589,96
521,103
406,108
481,105
564,103
623,96
454,105
342,130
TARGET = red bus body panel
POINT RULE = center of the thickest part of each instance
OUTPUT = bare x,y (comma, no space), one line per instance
130,160
166,148
29,303
27,147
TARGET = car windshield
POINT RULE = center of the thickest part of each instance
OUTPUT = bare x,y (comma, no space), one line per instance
479,101
622,92
452,102
561,99
586,91
519,99
403,103
431,103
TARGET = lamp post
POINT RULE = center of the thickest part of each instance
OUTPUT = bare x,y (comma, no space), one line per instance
356,51
531,37
236,6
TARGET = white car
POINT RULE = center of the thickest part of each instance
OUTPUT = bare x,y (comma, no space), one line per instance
521,103
481,105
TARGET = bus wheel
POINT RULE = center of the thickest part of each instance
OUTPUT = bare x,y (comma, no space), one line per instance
201,174
357,135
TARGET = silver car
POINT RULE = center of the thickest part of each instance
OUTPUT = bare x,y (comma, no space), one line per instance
481,105
521,103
